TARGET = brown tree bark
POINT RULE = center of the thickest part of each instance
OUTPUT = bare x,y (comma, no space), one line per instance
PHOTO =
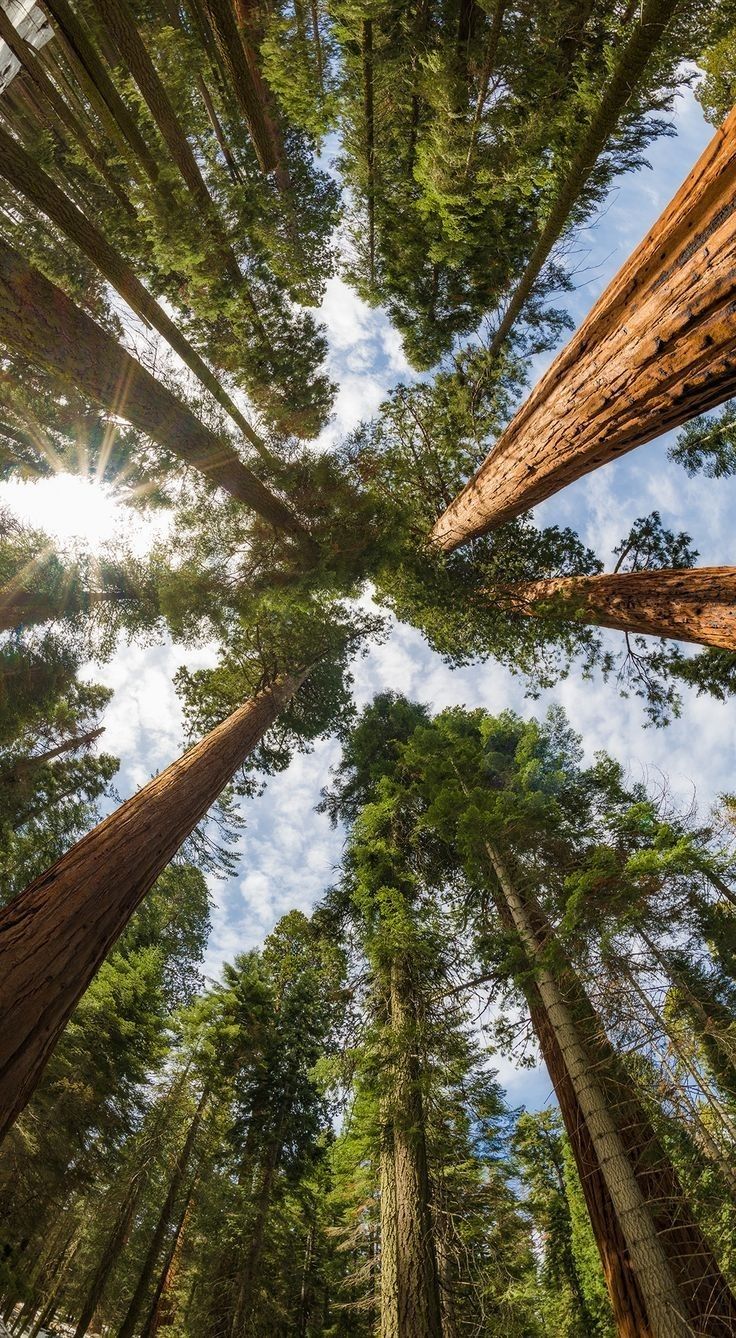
22,766
98,85
24,175
688,604
658,348
40,321
370,142
414,1274
249,93
32,64
55,935
697,1289
113,1246
130,1321
156,1316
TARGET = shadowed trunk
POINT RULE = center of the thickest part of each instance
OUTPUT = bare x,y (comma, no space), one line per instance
677,1276
24,174
56,934
129,1324
370,144
38,320
153,1320
113,1246
99,87
418,1304
249,94
688,604
658,348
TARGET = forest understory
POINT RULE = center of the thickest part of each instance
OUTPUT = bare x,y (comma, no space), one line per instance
360,361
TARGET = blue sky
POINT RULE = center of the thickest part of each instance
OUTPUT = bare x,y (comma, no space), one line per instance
289,854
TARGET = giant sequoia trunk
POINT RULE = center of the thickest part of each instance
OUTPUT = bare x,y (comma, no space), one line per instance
697,604
55,935
658,348
25,176
411,1285
38,320
165,1217
676,1276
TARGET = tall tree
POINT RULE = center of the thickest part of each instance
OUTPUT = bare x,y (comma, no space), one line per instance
656,347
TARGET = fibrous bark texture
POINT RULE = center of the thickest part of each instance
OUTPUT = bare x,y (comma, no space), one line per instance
697,604
56,934
658,348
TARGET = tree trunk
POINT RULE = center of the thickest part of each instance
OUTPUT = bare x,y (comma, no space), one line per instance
697,604
417,1279
99,87
24,175
38,320
658,348
249,1268
31,63
56,934
151,1325
249,95
389,1256
23,766
129,1324
679,1279
113,1246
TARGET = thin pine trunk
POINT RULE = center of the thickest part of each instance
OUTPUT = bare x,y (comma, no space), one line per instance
152,1322
32,64
99,87
675,1269
249,91
688,604
56,934
370,144
25,176
130,1322
657,349
114,1244
39,321
23,766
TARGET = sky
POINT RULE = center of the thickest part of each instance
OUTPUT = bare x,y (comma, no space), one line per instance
288,854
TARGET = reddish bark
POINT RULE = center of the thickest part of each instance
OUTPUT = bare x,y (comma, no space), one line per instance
55,935
697,604
658,348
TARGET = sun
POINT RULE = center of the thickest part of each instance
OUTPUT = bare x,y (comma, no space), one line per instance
76,510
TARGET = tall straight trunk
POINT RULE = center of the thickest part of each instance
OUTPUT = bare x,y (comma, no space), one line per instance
25,176
114,1244
658,348
389,1296
649,28
251,1261
32,64
56,934
688,604
489,64
151,1324
21,608
99,87
118,18
678,1277
417,1277
38,320
168,1207
666,1311
249,93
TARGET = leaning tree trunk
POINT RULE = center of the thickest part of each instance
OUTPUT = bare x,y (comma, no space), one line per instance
419,1305
56,934
248,94
688,604
38,320
100,88
658,348
666,1310
678,1268
130,1322
25,176
152,1323
113,1245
